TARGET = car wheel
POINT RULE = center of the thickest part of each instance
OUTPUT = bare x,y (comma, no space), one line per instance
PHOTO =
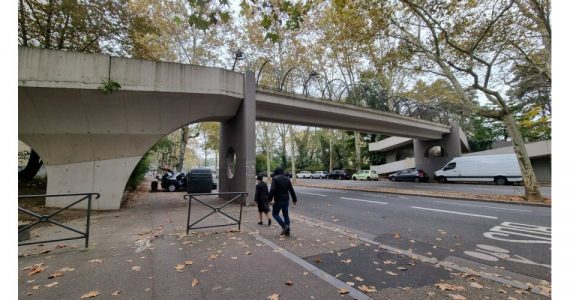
416,179
392,178
501,180
368,178
442,179
353,178
171,188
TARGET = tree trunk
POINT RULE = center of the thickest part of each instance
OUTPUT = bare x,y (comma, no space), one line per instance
357,150
532,191
330,151
29,172
293,172
182,150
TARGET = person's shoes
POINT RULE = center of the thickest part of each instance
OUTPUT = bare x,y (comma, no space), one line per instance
283,230
269,222
287,230
260,222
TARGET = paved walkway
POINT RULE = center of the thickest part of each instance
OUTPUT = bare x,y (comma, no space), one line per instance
142,252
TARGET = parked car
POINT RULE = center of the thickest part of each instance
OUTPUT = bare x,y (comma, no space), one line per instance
409,175
303,174
171,182
288,174
501,169
264,174
338,174
365,175
319,174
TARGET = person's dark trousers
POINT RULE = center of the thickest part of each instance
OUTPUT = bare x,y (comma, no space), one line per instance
278,206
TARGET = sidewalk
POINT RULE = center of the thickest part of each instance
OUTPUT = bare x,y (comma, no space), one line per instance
142,252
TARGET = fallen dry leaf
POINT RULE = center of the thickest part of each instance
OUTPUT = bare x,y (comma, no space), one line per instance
397,235
36,269
318,259
91,294
136,268
343,291
389,262
456,297
502,291
512,298
66,269
45,252
350,283
346,261
36,287
476,285
60,246
402,268
273,297
289,282
54,275
247,253
188,262
97,260
367,289
431,294
391,273
194,282
179,267
116,293
449,287
358,278
51,284
213,257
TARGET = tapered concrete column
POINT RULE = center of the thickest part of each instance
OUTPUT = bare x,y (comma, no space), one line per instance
106,177
450,144
237,146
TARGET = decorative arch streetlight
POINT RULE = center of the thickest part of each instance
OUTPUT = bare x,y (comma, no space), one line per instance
285,77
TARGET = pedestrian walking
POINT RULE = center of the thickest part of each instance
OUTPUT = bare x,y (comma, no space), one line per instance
281,187
262,200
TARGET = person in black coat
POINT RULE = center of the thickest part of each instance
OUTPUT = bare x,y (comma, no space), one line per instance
281,187
261,197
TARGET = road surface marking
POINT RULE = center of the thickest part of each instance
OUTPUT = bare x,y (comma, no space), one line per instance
455,212
321,195
518,233
402,197
488,189
483,206
363,200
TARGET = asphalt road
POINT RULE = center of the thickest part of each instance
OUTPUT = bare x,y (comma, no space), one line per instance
515,238
446,187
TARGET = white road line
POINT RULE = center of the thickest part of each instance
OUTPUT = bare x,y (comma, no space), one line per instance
455,212
321,195
488,189
363,200
495,207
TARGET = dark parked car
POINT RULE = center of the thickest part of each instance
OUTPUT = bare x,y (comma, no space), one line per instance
172,182
409,175
338,174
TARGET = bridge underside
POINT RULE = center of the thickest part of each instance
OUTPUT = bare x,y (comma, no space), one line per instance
91,142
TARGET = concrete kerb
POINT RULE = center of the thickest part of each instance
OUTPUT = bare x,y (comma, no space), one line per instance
483,198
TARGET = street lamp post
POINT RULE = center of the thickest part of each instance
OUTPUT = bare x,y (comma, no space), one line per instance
305,84
239,55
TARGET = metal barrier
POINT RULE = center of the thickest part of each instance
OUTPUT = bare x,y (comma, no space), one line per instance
190,197
47,218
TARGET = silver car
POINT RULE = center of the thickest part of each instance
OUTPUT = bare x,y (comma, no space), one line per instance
303,174
319,174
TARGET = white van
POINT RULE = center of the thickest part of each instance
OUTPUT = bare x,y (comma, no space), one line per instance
501,169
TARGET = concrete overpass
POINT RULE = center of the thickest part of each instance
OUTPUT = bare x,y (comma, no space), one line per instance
90,141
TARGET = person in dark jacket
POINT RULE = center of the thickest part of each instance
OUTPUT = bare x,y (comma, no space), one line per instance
261,198
281,187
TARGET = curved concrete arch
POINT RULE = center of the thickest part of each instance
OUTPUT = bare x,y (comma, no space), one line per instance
90,141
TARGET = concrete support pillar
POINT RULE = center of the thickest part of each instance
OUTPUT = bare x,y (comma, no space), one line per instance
450,144
237,146
106,177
